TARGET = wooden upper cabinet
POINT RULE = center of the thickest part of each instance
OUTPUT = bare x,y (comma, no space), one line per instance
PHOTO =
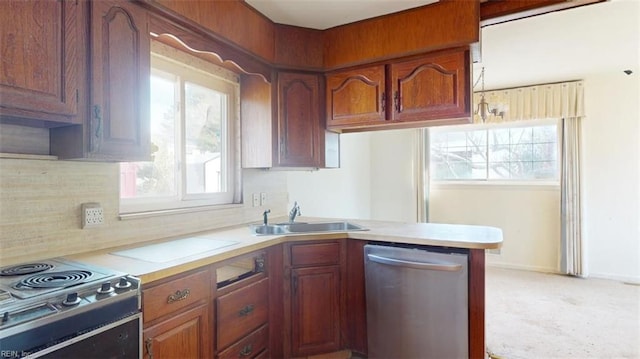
298,125
40,60
118,124
356,96
432,87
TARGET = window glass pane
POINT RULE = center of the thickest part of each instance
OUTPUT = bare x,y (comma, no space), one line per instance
521,152
205,139
545,151
545,170
458,155
520,135
494,153
545,134
156,178
499,170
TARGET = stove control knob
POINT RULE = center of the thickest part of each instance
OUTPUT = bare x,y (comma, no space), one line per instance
105,288
123,283
5,317
71,300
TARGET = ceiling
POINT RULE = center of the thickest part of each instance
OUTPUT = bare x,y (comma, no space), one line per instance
324,14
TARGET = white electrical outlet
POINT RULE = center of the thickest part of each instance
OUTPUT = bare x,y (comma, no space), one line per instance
92,215
263,199
256,199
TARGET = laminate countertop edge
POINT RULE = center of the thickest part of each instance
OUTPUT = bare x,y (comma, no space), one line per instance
433,234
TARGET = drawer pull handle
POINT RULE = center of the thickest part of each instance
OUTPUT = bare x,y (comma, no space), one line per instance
179,295
147,344
246,351
246,310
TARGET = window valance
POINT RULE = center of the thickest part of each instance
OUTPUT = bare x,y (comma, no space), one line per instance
558,100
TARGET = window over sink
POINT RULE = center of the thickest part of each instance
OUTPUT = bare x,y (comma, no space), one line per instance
194,146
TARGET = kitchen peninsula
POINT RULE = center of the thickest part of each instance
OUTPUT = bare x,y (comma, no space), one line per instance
276,303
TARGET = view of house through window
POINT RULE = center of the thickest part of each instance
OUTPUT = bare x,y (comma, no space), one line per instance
192,122
528,151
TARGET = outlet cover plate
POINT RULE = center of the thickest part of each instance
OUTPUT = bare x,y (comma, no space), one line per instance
92,215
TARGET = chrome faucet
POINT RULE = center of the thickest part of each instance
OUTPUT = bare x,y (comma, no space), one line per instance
265,219
295,211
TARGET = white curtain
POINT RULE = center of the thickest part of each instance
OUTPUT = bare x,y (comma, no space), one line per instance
561,101
572,259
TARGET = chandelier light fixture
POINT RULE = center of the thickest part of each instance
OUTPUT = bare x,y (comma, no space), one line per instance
484,110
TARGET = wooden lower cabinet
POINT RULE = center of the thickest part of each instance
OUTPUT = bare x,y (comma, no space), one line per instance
177,321
185,335
314,297
315,310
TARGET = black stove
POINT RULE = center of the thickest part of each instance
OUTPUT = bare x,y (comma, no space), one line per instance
48,305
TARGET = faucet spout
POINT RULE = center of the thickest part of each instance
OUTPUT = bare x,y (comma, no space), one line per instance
265,218
295,211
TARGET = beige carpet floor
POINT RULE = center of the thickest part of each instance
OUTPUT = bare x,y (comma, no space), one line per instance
537,315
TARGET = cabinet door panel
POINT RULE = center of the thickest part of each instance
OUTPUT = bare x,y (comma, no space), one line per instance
315,310
39,77
298,120
356,97
431,88
186,335
119,126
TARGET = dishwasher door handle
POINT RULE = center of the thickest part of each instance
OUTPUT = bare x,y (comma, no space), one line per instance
414,264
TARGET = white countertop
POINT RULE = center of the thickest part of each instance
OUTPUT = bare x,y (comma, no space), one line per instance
239,240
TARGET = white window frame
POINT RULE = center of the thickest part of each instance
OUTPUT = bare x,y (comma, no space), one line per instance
187,68
488,181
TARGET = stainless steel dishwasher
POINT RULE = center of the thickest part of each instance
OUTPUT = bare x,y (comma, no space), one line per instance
417,303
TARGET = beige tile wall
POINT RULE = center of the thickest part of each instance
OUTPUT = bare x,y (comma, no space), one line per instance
40,209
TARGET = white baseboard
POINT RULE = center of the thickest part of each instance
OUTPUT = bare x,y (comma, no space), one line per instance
523,267
607,276
623,279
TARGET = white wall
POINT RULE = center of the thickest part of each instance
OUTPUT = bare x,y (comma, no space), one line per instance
343,192
612,176
375,179
529,217
393,180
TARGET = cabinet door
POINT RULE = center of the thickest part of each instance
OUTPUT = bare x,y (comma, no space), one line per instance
298,127
432,87
356,97
118,128
186,335
315,316
40,59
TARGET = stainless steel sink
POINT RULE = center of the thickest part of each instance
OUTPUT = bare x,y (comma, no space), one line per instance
266,230
297,228
323,227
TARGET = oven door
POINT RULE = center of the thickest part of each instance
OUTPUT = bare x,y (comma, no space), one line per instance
121,339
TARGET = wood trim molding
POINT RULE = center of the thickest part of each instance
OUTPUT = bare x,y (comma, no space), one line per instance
498,11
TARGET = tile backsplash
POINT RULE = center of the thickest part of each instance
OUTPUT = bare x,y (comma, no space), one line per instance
40,213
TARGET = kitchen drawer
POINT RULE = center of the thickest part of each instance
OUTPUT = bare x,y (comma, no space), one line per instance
250,346
315,254
242,311
174,295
